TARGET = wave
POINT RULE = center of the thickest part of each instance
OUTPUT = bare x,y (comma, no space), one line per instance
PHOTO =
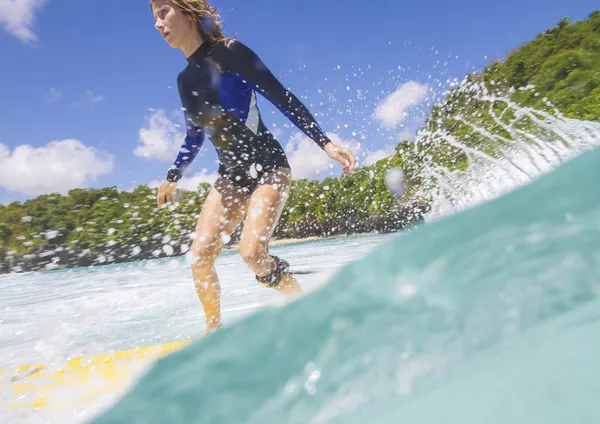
475,317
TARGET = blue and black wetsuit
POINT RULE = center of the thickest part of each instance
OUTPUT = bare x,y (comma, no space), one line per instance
218,94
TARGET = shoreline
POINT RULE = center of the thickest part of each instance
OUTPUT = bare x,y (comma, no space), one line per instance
59,256
233,248
283,242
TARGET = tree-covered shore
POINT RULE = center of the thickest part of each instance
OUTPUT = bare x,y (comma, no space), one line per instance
558,70
94,227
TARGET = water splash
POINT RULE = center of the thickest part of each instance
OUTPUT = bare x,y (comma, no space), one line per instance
517,145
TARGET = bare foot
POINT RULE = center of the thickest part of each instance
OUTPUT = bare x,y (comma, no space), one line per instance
289,287
212,326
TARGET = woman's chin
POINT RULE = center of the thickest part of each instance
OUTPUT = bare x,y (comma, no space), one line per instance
171,42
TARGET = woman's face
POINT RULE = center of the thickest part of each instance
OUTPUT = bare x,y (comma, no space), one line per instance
173,25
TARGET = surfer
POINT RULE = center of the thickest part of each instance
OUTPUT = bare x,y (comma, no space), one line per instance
218,93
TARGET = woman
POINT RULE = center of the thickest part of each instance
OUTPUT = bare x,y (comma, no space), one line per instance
218,94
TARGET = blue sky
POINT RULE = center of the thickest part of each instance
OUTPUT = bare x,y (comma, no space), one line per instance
88,95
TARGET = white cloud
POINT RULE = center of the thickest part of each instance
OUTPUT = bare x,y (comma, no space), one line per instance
373,157
160,139
276,131
407,135
91,97
17,17
57,167
54,94
191,182
308,160
393,109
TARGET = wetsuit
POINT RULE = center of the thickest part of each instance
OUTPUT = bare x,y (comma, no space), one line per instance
218,94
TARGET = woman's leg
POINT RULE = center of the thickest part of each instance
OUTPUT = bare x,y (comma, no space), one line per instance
264,211
221,213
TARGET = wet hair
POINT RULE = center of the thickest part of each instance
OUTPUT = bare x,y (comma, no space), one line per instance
206,17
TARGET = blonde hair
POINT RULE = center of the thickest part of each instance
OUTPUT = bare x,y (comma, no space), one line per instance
206,17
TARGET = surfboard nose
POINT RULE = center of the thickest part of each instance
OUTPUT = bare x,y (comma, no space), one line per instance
82,379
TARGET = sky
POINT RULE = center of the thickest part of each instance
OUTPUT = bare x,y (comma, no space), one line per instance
88,95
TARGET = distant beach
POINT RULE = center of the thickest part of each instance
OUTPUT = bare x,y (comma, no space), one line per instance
282,242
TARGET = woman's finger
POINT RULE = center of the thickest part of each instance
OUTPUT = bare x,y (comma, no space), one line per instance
343,158
352,160
349,160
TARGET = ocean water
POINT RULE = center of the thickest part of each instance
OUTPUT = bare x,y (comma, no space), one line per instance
491,315
53,317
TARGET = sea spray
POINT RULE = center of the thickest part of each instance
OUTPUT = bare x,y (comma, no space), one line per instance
503,146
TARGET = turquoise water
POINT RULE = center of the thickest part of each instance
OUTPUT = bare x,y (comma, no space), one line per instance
490,315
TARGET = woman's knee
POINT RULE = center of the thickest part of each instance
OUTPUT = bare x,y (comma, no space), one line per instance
203,252
253,253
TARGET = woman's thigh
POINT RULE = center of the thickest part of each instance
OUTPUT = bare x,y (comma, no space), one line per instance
221,213
264,209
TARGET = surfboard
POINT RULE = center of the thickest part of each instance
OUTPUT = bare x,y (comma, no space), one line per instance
81,380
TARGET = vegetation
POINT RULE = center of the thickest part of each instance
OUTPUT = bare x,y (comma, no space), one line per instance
107,225
557,71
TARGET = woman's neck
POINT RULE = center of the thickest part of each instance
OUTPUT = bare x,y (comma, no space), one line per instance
191,44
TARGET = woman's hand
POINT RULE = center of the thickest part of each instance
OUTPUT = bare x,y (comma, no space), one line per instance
343,156
165,192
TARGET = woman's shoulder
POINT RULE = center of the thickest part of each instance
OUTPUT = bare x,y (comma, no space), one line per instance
181,76
190,77
240,52
234,46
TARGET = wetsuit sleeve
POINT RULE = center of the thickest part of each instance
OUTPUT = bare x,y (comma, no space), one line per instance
250,67
192,144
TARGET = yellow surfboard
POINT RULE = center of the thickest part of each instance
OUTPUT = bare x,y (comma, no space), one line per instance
81,380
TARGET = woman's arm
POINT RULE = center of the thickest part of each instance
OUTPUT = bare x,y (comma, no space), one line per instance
250,67
187,153
194,139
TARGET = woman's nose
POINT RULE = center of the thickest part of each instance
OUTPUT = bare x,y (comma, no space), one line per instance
158,24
